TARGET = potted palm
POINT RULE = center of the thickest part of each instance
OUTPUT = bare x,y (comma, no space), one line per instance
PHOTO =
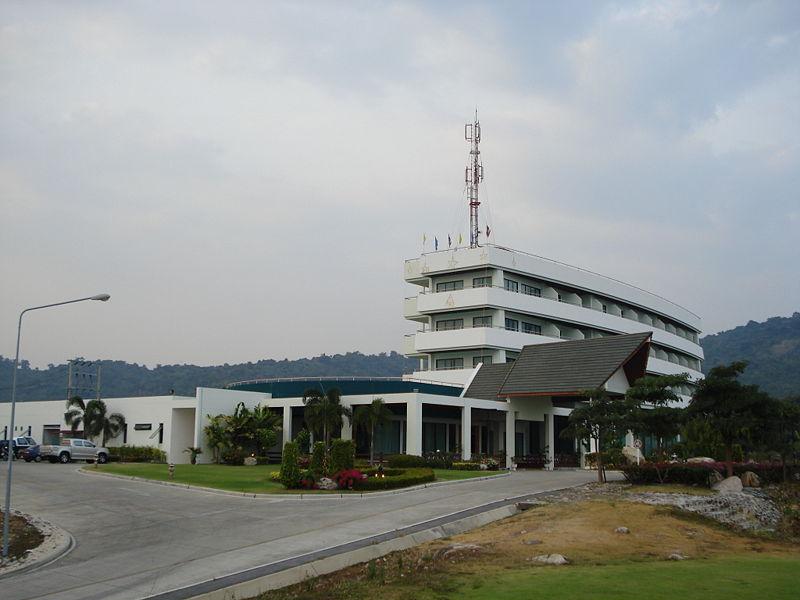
193,452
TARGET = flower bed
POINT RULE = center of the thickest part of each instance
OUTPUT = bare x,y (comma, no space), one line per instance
391,479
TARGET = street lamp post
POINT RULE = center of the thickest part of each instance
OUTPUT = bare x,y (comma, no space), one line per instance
7,518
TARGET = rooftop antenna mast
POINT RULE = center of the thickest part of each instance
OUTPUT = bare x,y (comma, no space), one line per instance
473,175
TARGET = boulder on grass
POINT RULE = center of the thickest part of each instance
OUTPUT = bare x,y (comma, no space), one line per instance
750,479
700,459
632,455
622,530
551,559
731,485
250,461
326,483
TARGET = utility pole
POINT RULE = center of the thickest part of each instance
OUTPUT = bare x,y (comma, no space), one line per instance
473,175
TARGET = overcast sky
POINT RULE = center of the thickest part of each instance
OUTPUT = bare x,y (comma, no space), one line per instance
245,179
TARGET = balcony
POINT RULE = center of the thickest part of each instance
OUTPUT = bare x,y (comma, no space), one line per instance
547,308
665,367
475,337
411,312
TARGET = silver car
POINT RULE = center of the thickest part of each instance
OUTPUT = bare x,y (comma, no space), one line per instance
75,449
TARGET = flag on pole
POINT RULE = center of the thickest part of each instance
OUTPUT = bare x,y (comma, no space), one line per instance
488,231
436,244
424,239
449,241
460,239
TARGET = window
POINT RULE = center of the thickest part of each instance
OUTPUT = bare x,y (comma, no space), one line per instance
482,321
486,359
511,286
447,324
511,356
479,282
605,308
559,298
445,364
89,444
531,328
512,324
450,286
78,443
622,313
531,290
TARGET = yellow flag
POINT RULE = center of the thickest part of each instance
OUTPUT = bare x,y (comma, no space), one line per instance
460,239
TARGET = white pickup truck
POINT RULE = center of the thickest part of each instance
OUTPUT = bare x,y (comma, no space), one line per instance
75,449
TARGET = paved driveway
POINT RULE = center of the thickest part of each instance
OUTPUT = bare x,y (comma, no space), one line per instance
136,539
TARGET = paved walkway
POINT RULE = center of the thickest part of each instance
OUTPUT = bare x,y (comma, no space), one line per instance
136,539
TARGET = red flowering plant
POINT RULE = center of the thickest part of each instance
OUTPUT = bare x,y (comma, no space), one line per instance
347,479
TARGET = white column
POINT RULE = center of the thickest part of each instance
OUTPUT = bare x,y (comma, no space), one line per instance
511,437
287,425
414,427
347,426
466,432
549,441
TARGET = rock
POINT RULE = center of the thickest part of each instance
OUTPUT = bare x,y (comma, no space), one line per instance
327,483
714,477
750,479
250,461
622,530
676,556
632,454
455,549
700,459
551,559
731,485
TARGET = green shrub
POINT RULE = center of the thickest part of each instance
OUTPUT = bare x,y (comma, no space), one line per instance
290,472
303,439
234,456
319,460
466,466
343,454
139,454
698,473
394,478
404,461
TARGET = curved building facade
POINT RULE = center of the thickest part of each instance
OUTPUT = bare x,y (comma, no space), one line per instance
481,305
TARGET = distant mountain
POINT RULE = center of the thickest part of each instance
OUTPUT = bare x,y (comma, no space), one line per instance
120,379
771,348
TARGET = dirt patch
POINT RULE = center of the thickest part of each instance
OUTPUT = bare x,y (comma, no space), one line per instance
24,536
583,531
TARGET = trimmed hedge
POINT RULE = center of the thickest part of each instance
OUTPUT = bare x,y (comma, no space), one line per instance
290,472
343,454
138,454
698,473
394,478
319,459
405,461
466,466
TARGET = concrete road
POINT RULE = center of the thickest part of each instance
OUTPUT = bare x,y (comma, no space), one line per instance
136,539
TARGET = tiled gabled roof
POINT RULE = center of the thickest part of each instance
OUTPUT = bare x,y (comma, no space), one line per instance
563,368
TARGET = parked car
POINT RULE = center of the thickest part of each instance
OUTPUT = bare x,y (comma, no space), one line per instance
19,444
75,449
31,453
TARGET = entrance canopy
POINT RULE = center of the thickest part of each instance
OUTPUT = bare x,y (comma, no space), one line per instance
565,368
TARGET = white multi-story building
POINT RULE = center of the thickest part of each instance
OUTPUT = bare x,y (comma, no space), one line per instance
483,304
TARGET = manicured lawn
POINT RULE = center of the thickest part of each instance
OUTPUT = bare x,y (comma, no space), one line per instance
743,578
450,475
254,480
234,479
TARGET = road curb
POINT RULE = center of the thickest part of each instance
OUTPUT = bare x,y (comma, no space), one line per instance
255,581
57,543
316,497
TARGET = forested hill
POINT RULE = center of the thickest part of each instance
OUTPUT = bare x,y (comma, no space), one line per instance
119,378
771,348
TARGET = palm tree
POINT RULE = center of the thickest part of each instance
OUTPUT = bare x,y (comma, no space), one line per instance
371,416
75,415
264,425
94,417
216,435
325,411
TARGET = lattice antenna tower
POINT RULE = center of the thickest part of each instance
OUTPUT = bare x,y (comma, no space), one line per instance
473,176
